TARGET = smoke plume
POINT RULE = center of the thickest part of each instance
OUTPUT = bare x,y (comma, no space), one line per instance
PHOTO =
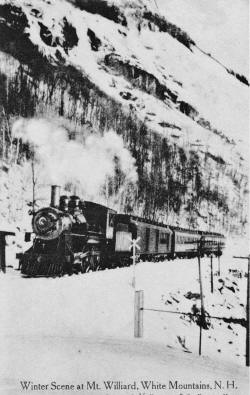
87,167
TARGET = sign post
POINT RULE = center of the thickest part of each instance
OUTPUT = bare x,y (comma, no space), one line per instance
134,246
138,318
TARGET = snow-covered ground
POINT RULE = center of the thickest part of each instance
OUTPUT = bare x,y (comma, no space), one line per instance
80,328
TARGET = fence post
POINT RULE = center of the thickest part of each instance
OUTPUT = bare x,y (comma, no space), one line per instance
138,313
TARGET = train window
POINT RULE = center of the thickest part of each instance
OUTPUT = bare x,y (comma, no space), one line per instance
111,219
157,239
110,226
167,240
163,238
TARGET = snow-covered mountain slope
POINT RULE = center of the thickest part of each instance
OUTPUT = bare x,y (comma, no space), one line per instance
124,65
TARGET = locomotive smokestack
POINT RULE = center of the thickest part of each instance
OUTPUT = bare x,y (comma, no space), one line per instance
55,196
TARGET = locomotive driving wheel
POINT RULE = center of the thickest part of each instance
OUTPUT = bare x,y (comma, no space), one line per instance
90,261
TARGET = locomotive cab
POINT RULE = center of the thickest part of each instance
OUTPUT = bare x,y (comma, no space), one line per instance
99,218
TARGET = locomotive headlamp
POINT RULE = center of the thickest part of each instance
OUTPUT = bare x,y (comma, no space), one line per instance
45,224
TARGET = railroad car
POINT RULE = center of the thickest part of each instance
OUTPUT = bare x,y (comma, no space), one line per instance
73,236
155,238
188,243
212,243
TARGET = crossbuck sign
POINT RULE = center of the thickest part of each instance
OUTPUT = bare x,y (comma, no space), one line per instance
134,246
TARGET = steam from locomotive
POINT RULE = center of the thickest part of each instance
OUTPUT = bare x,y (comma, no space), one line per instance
85,165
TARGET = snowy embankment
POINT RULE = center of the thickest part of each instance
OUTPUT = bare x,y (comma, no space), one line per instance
87,320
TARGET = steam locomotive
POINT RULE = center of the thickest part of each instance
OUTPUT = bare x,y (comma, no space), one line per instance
75,236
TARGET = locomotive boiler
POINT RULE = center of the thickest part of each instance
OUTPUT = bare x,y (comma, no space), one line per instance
71,236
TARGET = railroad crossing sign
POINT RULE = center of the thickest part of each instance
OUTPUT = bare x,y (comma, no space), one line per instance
134,243
135,246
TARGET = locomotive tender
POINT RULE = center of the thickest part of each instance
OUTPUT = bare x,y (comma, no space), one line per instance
73,236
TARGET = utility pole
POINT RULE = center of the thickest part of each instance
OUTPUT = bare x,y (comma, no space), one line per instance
201,293
212,274
33,186
218,250
247,307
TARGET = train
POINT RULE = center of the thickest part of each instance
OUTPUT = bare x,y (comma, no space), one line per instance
73,236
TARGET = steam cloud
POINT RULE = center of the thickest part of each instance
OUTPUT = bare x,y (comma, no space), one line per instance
85,166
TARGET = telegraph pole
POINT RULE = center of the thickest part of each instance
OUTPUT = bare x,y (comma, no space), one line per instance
247,308
201,293
218,250
211,274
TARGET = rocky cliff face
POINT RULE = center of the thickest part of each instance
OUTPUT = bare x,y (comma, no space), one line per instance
96,65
